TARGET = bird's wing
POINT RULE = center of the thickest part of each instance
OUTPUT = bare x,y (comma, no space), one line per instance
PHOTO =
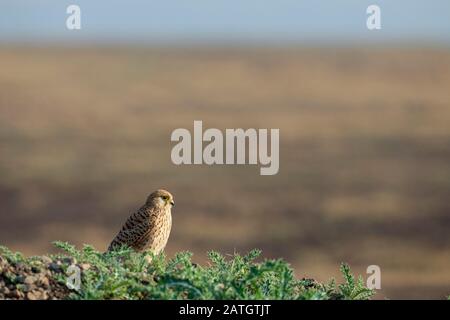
135,230
133,237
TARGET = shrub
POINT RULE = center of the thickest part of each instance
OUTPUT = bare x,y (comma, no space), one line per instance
125,274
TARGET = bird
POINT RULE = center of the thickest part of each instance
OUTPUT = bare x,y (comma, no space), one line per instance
148,228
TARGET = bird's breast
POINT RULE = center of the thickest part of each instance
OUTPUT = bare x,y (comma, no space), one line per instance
161,231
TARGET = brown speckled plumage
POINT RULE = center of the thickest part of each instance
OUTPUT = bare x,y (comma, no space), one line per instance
149,227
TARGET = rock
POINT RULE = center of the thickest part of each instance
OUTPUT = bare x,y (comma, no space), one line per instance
19,266
19,279
34,279
55,267
16,294
34,295
46,260
69,261
22,287
28,288
4,290
35,269
44,295
43,281
85,266
29,280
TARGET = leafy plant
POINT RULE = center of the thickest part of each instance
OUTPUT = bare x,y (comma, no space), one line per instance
353,289
125,274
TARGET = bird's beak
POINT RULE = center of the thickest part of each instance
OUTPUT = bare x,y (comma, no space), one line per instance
172,203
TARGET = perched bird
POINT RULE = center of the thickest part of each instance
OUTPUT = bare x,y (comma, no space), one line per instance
149,227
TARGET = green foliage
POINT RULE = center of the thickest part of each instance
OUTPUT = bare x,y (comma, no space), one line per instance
12,257
125,274
351,289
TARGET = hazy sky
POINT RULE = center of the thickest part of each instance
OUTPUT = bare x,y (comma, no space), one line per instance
219,21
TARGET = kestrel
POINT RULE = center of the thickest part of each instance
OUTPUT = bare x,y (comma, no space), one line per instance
149,227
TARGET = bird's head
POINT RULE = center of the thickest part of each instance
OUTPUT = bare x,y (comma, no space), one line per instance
161,198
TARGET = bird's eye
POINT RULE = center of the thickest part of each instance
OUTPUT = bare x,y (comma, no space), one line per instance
165,197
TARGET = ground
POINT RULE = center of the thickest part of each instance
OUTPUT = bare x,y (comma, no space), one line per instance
364,136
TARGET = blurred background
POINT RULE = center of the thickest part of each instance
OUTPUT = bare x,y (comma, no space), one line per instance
364,117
